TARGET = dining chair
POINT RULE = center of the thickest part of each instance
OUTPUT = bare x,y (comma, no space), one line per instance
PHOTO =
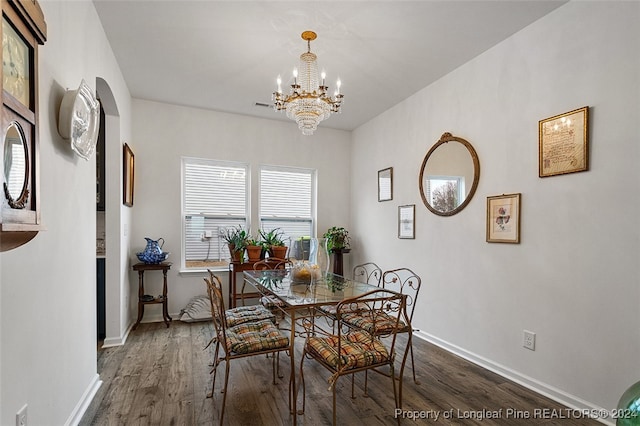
240,341
403,281
272,303
350,350
369,273
242,314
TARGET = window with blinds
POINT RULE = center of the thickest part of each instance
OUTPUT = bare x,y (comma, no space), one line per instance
287,201
214,198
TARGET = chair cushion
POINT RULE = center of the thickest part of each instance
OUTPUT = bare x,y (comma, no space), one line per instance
244,314
357,349
384,323
332,309
271,302
255,337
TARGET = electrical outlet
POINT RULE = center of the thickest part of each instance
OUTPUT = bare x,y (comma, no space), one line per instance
21,416
529,340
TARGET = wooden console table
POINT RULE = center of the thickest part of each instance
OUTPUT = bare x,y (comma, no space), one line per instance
141,267
235,267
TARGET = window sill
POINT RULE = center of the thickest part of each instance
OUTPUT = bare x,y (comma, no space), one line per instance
192,271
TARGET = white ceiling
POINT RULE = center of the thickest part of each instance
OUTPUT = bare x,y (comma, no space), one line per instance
226,55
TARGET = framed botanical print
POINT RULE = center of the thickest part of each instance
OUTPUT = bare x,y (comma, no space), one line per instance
503,218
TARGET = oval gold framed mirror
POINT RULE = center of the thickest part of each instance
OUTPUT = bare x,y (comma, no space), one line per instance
449,175
16,166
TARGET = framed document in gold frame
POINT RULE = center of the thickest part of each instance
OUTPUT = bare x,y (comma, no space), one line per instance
128,168
563,143
503,218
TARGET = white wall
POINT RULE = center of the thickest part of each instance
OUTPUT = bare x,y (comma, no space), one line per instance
574,278
47,289
163,133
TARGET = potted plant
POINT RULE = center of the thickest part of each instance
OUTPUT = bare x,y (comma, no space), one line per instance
273,242
236,238
337,239
254,249
338,242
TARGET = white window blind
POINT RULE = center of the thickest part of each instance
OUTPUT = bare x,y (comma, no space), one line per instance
214,198
287,201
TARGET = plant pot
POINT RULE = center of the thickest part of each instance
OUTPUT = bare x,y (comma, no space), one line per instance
279,252
253,252
236,255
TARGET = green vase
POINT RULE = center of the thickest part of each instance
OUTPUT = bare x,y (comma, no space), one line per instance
629,407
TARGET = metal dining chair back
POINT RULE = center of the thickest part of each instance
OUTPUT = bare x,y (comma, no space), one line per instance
405,281
369,273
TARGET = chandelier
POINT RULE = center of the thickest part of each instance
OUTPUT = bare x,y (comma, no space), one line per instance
307,102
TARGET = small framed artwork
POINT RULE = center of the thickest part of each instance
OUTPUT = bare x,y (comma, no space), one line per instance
406,217
128,168
503,218
385,184
563,143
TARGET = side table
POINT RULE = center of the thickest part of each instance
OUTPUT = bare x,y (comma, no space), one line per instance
141,268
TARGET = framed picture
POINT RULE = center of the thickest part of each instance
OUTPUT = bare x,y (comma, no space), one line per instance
503,218
385,184
406,216
128,168
563,143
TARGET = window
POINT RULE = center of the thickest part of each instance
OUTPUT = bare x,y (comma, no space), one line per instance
445,193
214,198
287,201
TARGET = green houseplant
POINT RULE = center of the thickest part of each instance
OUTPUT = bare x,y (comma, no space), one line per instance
337,239
273,242
236,238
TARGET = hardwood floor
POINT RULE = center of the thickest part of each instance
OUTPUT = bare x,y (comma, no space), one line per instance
161,377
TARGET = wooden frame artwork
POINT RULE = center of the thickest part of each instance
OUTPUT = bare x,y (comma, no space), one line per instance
406,221
128,169
503,218
563,143
385,184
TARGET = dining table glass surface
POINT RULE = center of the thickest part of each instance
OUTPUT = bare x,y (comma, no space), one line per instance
327,289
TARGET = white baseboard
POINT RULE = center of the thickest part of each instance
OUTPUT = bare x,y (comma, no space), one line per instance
85,400
117,341
551,392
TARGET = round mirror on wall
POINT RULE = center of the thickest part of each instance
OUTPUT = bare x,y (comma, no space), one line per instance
449,175
16,166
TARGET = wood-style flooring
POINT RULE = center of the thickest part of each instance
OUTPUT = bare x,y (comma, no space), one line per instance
161,377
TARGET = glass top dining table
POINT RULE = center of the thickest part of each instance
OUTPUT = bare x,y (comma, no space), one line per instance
300,296
329,289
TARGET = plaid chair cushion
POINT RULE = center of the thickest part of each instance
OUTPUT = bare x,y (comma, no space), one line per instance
271,302
255,337
383,323
357,349
244,314
332,309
